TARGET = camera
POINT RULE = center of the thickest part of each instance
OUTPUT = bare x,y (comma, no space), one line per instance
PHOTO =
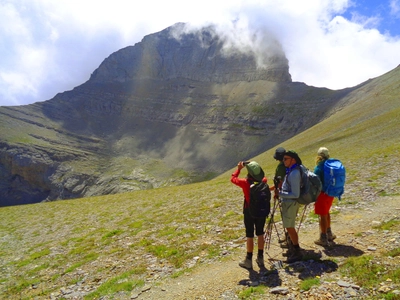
246,162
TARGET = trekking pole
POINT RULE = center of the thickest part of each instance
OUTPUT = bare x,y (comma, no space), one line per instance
302,217
272,224
268,232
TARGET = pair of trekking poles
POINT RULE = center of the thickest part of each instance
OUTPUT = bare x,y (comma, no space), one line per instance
272,225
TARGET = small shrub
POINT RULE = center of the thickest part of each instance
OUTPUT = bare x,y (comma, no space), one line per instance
394,252
308,283
387,225
115,285
112,233
252,292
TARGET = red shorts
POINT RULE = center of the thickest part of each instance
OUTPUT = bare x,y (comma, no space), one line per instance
323,204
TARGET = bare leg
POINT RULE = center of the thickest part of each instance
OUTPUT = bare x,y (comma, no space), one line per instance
293,235
323,223
250,245
261,242
329,221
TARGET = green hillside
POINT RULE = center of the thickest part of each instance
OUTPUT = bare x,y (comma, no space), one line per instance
111,243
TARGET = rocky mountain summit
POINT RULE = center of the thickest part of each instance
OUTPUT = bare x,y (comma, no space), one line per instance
180,106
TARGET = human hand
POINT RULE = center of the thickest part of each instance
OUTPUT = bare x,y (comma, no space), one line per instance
240,165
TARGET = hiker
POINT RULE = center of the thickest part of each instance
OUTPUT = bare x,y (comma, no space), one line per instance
280,171
255,174
289,192
324,202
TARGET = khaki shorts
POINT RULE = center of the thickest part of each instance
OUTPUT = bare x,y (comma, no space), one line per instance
289,213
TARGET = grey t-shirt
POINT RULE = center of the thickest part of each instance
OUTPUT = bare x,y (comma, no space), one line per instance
291,185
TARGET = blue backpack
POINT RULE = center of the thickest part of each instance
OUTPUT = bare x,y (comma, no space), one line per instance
334,178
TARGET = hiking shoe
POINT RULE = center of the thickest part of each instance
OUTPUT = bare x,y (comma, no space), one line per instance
323,240
260,261
331,236
287,253
247,264
295,256
287,244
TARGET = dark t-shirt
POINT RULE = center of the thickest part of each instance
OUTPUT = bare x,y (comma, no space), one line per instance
280,171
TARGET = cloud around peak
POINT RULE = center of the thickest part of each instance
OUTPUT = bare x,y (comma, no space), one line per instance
49,47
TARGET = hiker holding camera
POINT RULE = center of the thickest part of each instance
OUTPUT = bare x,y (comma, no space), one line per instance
256,208
289,192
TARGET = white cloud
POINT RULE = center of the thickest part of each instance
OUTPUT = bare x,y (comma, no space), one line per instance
51,46
395,8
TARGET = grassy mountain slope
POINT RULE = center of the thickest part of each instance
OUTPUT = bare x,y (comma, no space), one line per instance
366,126
113,244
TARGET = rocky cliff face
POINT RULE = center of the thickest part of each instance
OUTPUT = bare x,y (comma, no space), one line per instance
197,56
175,108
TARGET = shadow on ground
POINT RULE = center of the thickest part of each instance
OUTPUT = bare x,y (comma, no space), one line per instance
311,266
267,277
343,250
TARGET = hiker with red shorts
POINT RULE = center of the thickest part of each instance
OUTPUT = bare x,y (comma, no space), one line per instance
323,203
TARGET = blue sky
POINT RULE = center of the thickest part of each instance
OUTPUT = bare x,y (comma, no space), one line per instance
50,46
382,15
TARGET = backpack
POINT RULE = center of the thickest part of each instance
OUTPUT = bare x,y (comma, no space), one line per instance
334,178
260,197
310,186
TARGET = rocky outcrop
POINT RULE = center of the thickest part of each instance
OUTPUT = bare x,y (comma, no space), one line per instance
178,106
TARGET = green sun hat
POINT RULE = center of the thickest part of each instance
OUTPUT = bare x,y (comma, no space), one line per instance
255,171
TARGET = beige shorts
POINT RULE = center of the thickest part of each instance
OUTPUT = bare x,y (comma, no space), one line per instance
289,213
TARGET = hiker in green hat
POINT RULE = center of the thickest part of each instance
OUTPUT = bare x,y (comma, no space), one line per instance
255,176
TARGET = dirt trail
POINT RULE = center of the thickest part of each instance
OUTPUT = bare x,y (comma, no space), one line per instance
224,279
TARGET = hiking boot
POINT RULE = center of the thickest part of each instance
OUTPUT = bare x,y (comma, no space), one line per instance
331,236
247,264
323,240
260,261
296,255
287,253
287,244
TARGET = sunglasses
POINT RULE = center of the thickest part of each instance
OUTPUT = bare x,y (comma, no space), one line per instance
286,158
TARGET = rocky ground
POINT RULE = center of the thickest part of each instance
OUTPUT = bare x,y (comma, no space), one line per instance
355,227
356,235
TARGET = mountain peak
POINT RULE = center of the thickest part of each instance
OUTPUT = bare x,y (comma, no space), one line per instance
201,55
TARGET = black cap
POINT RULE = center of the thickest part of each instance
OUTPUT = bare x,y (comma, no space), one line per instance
279,152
